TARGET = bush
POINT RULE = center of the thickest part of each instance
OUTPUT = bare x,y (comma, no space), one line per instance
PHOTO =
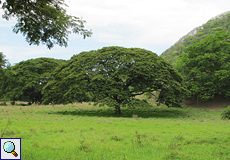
226,113
12,102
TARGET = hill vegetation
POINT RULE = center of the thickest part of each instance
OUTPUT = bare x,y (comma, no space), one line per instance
205,66
218,23
202,58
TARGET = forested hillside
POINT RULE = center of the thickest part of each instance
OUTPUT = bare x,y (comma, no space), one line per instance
218,23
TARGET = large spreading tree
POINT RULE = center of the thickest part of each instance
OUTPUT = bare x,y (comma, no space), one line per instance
25,80
114,76
43,21
205,66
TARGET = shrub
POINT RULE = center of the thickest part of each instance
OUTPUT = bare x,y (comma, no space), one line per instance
226,113
12,102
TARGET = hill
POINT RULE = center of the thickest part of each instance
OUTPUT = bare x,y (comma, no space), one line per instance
218,23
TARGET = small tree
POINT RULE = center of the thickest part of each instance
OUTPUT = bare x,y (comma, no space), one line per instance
115,75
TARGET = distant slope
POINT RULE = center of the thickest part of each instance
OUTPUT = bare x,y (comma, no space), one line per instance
220,22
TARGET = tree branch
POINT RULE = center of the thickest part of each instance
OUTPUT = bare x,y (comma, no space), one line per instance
150,90
137,94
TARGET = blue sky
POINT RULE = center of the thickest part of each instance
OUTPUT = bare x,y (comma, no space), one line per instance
149,24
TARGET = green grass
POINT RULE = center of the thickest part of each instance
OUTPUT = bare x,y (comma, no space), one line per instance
83,131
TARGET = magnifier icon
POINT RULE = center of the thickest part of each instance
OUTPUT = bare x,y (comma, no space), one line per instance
9,147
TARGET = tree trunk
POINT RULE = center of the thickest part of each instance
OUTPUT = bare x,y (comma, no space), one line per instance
118,110
197,99
40,102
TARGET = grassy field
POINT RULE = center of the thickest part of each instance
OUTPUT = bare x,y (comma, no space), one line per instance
83,131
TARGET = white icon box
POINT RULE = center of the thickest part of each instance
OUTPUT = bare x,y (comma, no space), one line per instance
10,148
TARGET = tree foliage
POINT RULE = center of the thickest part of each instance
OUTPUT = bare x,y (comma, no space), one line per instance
3,63
206,66
25,80
43,21
114,76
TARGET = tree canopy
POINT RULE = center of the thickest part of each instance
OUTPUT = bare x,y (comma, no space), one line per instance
43,21
206,66
25,80
114,76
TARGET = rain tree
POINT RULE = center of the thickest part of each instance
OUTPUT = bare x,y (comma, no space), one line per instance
25,80
114,76
43,21
206,66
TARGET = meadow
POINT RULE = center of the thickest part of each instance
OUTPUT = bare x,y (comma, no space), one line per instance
82,131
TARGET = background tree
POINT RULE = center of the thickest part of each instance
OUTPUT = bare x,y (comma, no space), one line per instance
3,62
206,66
3,65
114,76
43,21
25,80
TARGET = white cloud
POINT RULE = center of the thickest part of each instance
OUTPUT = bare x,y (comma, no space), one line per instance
155,21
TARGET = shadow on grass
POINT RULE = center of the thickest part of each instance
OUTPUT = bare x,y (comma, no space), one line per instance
128,113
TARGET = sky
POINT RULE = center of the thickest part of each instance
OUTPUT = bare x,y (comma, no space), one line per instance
150,24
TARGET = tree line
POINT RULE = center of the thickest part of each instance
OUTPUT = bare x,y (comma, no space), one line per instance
110,76
115,75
